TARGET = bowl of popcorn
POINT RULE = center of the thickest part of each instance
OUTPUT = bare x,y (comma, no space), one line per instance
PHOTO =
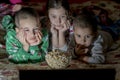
57,59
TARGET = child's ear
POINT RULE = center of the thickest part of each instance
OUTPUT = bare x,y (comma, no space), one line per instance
16,29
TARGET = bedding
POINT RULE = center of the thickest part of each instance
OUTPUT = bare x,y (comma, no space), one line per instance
112,57
113,11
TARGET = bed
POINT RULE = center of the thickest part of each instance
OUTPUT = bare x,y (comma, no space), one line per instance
11,71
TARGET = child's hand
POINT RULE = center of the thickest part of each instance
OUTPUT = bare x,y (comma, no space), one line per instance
39,38
81,53
16,7
21,36
80,50
64,27
53,29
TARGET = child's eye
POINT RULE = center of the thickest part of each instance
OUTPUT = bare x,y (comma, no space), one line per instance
36,30
78,36
88,36
26,30
63,16
53,16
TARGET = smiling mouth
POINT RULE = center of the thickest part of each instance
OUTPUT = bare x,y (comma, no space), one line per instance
33,41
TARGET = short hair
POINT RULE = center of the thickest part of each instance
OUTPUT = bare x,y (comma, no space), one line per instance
26,13
85,21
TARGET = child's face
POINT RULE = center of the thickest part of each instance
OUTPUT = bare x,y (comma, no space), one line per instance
83,36
57,16
31,29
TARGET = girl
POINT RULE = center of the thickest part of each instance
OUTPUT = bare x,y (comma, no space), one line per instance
58,23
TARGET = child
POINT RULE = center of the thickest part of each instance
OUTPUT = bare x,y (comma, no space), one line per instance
24,38
58,23
90,44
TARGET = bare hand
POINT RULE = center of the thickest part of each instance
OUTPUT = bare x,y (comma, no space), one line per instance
53,29
39,38
64,27
80,50
21,36
16,7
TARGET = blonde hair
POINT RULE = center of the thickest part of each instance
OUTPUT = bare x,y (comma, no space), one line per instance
26,13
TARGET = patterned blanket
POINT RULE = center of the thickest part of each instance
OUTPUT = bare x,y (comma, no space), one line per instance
113,11
112,57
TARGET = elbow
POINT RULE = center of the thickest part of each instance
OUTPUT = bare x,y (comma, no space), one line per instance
97,60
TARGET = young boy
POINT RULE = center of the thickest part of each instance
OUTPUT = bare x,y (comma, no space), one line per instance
24,38
90,44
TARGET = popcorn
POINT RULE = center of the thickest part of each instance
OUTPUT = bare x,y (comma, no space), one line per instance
57,59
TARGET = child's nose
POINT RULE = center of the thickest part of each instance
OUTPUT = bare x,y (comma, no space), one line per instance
59,21
83,41
32,33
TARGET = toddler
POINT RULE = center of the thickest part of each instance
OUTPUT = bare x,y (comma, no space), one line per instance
90,45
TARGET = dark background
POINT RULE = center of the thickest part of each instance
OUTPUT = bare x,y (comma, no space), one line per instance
78,74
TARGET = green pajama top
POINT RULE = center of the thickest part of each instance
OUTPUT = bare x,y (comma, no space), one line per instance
15,49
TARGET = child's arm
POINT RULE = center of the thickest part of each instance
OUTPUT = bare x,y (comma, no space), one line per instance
14,48
42,50
54,37
16,7
9,8
62,32
45,41
81,52
97,53
17,53
37,54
